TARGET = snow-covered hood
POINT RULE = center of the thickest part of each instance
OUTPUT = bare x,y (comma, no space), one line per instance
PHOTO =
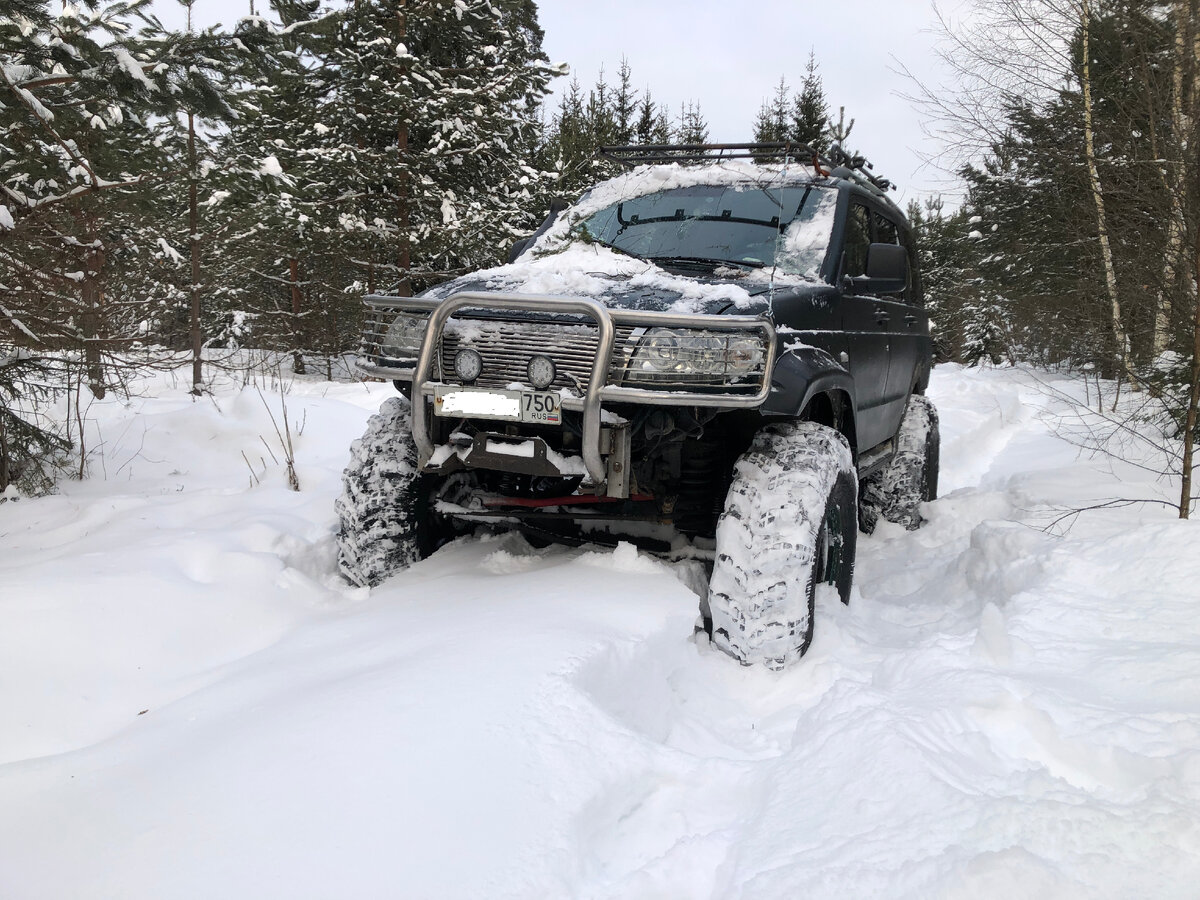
590,270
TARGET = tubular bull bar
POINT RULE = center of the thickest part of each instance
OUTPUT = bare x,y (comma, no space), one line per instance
598,391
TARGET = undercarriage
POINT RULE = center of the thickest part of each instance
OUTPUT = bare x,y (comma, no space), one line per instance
679,462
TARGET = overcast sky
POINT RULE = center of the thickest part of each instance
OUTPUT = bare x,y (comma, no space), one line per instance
729,57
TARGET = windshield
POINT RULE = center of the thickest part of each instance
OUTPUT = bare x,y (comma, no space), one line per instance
732,224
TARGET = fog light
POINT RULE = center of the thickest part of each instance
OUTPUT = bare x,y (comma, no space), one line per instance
541,372
467,365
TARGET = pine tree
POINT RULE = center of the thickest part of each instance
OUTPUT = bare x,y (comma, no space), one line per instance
601,114
810,112
284,284
569,147
1038,188
773,121
941,260
79,168
192,219
693,128
1089,230
625,105
393,145
839,133
608,116
653,125
803,118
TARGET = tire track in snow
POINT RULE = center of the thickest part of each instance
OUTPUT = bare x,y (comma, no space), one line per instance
927,745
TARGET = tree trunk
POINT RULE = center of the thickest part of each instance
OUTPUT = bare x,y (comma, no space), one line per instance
1110,275
1189,430
91,322
5,468
1175,179
194,242
297,353
1164,304
1186,24
403,213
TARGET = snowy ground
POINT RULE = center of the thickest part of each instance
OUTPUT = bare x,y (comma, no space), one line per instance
193,706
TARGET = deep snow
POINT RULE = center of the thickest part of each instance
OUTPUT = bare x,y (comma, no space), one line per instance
193,705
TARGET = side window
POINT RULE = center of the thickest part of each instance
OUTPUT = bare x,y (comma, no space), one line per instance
885,230
912,294
858,239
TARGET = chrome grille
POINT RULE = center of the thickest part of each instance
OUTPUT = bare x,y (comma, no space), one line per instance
507,347
378,320
507,342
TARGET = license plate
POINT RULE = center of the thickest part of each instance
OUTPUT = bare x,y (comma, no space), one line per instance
538,407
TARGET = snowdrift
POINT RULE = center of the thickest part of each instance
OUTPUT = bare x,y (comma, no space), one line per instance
193,705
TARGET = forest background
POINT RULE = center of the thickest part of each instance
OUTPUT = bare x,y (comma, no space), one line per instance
172,194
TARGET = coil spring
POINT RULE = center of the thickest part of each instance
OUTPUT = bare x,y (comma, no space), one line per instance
701,497
510,484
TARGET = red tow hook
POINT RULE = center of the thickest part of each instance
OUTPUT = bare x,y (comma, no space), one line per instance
570,500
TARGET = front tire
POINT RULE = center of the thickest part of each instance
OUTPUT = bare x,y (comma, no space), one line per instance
384,522
789,523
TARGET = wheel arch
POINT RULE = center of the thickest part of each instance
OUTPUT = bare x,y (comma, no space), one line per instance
810,384
833,408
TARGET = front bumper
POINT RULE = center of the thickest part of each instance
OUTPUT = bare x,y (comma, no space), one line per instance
598,387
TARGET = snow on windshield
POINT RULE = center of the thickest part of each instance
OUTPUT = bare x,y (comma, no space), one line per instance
743,225
561,264
804,243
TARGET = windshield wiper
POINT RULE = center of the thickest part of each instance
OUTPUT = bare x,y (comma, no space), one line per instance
706,262
591,240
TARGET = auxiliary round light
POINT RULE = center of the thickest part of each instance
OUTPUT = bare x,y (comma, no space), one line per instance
541,372
467,365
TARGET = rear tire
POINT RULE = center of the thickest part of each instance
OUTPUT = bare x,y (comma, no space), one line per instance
897,491
789,523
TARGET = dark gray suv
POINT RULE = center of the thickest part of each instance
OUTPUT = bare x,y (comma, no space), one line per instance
720,353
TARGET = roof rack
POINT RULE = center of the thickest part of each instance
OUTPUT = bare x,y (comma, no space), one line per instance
836,162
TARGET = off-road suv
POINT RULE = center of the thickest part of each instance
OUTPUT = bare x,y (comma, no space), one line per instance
721,353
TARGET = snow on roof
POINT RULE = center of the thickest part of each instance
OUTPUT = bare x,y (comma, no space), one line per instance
650,179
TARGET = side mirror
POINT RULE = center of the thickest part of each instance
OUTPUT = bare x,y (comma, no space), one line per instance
887,270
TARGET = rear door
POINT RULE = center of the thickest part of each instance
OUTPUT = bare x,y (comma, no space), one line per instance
904,324
867,322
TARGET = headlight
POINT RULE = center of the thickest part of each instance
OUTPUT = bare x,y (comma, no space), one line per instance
744,355
696,357
404,337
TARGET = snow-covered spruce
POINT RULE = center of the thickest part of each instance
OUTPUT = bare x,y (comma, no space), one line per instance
789,523
382,513
897,491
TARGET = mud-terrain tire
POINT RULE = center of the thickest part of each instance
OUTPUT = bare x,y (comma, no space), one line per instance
789,523
383,512
897,491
